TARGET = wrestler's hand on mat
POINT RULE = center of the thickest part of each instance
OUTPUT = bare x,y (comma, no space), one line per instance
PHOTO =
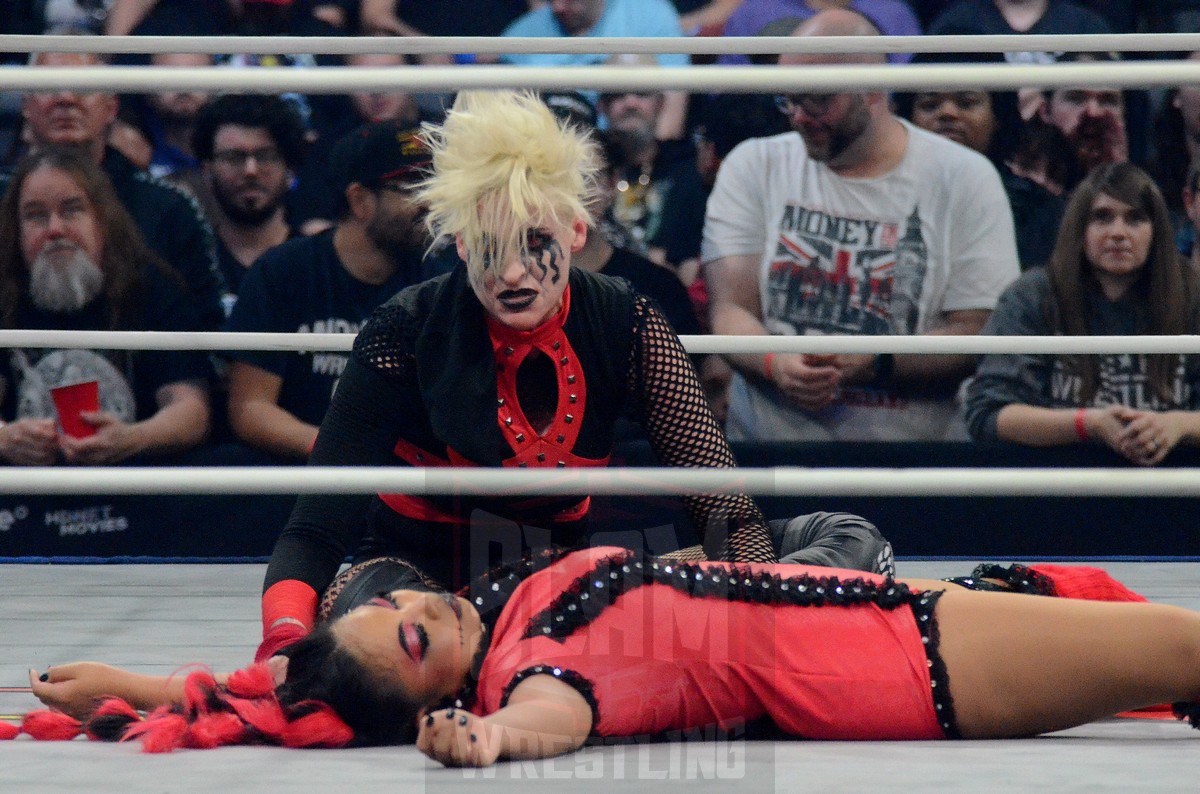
456,737
76,688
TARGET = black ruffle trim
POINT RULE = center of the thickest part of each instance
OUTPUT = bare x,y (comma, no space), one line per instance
590,594
939,679
581,685
1015,578
491,591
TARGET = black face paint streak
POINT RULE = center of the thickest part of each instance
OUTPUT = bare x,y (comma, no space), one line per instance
543,255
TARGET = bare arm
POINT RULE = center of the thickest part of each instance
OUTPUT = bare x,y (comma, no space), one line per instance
78,687
734,305
1049,427
544,717
811,382
714,14
673,119
181,422
256,417
379,16
923,368
125,15
1144,437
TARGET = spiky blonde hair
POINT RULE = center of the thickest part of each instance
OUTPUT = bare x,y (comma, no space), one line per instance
502,164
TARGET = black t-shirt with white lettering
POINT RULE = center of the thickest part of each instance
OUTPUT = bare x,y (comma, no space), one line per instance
302,287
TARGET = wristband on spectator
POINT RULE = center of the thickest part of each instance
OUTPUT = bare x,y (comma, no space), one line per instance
1081,429
769,366
885,365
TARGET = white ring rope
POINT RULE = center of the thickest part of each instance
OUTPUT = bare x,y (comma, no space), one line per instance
697,45
789,481
781,481
700,79
975,345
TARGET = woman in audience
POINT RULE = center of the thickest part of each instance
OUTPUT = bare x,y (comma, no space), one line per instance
1114,270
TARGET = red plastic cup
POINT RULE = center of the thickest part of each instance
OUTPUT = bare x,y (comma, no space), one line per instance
73,399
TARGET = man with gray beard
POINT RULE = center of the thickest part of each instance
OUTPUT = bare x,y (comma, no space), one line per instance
63,278
329,282
169,218
71,258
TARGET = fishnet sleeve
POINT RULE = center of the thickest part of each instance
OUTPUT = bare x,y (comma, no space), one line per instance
669,401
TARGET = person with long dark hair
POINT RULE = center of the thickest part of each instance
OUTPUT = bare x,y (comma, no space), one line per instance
1114,270
72,258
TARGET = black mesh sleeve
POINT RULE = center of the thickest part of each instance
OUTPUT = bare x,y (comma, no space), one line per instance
370,408
669,401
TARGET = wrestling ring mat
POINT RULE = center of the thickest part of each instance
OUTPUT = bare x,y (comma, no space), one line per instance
157,618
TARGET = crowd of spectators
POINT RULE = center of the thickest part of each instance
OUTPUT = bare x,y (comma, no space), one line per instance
935,212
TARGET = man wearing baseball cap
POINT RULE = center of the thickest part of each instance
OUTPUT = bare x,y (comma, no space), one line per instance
329,282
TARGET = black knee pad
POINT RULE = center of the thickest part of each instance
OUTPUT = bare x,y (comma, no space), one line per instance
833,540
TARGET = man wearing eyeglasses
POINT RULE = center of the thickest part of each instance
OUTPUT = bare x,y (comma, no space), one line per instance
249,148
169,219
856,223
328,283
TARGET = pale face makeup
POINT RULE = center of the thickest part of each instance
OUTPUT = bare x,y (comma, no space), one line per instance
527,290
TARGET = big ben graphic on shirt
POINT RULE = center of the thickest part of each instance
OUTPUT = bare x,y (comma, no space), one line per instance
832,274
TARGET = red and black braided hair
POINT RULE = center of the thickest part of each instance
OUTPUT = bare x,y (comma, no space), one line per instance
328,700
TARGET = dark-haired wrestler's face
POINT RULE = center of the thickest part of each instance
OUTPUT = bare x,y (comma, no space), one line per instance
422,642
525,292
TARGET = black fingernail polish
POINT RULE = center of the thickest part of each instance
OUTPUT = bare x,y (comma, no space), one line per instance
463,720
429,720
450,713
44,677
473,738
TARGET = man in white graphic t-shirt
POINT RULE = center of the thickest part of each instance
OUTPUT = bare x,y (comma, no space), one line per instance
855,223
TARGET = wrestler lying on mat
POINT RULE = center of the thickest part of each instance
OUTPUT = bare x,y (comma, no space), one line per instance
537,657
